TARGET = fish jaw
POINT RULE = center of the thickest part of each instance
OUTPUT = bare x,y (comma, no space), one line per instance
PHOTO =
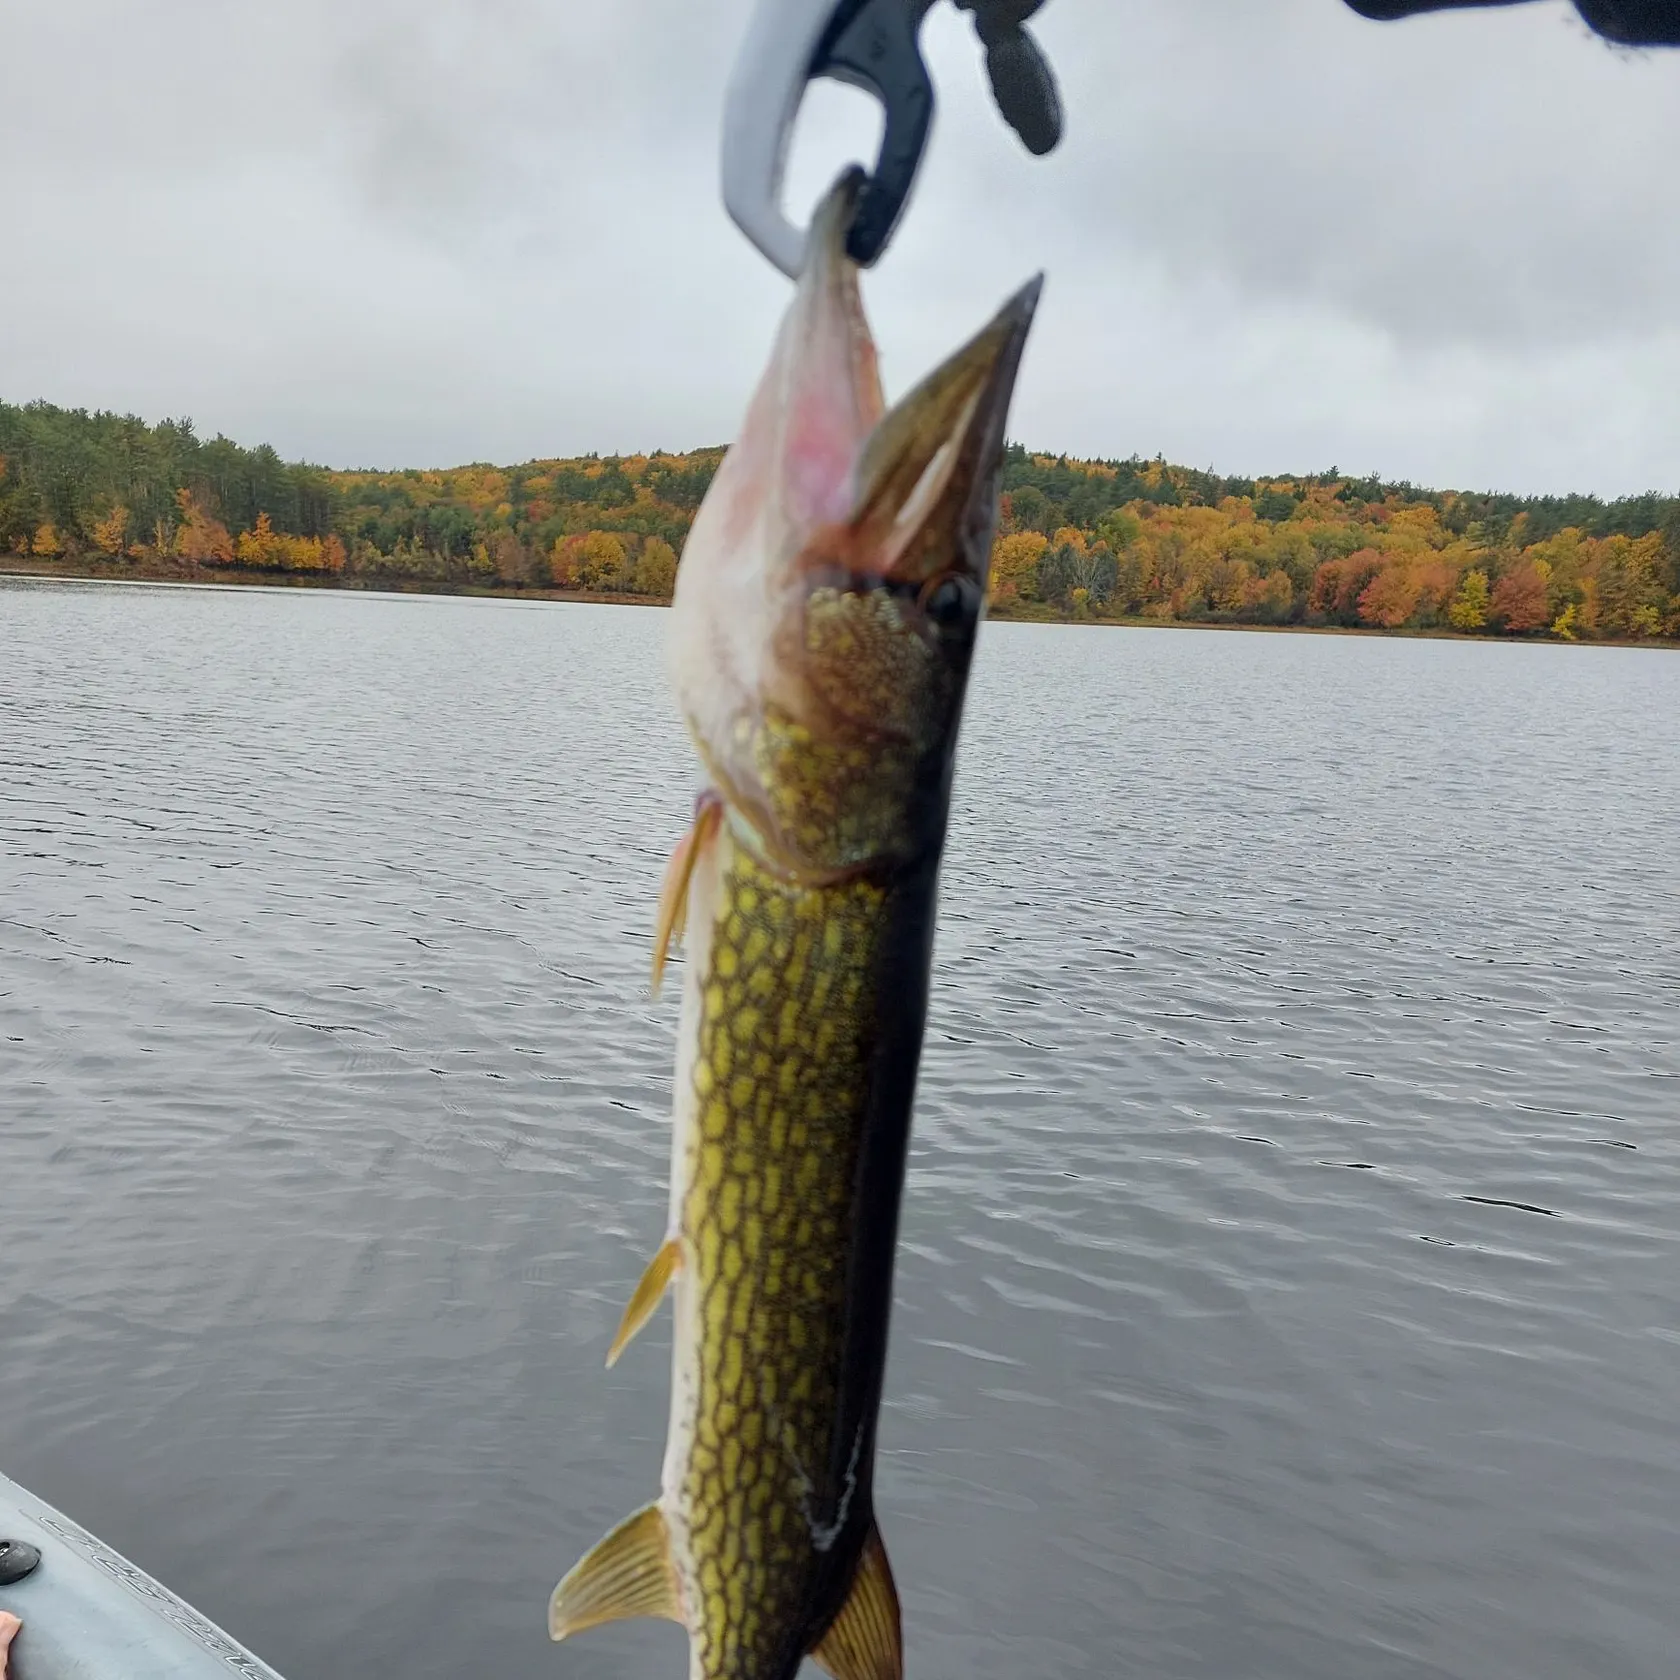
831,589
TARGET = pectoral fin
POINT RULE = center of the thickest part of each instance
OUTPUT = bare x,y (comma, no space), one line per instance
865,1641
628,1574
649,1293
673,894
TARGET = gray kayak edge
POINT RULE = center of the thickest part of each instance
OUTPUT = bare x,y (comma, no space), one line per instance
90,1614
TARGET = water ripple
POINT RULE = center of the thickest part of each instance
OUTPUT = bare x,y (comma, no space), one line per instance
1290,1272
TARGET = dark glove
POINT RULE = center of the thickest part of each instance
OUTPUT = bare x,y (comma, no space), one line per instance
1025,87
1022,82
1634,23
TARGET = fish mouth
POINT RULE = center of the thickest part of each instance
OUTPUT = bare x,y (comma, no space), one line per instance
925,495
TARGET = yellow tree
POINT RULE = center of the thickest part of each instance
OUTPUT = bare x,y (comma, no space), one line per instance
600,561
1468,609
300,554
1227,584
1414,527
111,532
1567,557
260,547
1015,566
656,569
46,543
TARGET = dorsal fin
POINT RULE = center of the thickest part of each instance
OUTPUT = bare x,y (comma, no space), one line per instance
627,1574
866,1639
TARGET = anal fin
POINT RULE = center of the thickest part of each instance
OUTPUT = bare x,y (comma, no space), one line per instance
865,1641
649,1293
673,893
628,1574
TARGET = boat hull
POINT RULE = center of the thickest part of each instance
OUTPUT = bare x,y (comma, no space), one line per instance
90,1614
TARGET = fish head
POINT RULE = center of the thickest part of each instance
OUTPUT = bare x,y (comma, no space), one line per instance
832,587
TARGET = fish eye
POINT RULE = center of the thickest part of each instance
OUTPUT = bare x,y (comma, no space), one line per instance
951,601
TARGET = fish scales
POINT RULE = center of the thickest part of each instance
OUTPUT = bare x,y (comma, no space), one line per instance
781,1087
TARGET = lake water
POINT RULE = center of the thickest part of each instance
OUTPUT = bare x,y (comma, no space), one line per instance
1290,1286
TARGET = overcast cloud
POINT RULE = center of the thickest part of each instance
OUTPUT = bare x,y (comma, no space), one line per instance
419,232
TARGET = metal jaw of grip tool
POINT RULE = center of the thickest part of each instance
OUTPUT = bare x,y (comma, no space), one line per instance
873,45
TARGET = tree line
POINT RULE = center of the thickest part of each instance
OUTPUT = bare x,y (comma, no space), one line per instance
1125,540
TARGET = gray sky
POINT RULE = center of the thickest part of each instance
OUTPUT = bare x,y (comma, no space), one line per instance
419,232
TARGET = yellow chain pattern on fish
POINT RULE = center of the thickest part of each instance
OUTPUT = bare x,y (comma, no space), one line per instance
780,1089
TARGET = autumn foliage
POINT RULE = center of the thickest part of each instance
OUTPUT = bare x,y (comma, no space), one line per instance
1123,540
1145,540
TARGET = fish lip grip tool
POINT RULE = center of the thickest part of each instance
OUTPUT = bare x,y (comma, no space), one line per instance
870,44
873,45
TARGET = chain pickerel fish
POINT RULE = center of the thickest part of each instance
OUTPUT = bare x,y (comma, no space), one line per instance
824,621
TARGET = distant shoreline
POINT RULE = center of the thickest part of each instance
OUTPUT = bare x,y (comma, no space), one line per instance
1133,542
15,567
